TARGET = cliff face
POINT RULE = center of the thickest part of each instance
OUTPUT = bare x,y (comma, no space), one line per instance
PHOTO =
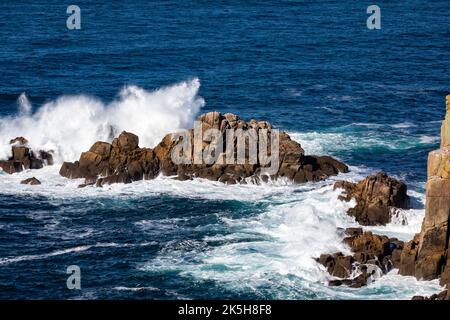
427,256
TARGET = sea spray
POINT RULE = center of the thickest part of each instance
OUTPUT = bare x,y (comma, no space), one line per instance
69,125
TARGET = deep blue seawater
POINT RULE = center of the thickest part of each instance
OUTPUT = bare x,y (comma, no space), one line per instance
373,98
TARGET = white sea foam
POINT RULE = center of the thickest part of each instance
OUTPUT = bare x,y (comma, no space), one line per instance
322,143
71,124
274,249
403,125
9,260
136,289
429,139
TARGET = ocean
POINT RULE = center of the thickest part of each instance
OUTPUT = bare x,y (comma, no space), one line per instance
371,98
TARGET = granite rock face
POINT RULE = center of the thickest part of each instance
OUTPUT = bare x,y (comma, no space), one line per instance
124,161
376,197
430,249
25,158
373,256
426,256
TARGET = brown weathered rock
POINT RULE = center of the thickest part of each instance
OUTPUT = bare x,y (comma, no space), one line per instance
21,141
375,197
46,157
337,264
124,161
128,142
370,253
357,282
103,149
294,165
120,162
445,129
31,181
427,255
11,166
408,257
439,296
24,158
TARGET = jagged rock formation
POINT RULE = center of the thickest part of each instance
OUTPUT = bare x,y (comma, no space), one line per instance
121,161
371,254
427,255
439,296
124,161
376,197
24,158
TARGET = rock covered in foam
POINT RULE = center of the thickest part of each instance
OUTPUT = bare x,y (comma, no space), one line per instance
24,158
372,255
375,196
123,160
31,181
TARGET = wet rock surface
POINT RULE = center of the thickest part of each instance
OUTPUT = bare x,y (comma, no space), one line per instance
373,255
376,197
427,255
31,181
123,161
23,158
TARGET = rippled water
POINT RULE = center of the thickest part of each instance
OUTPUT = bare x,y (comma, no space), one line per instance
374,99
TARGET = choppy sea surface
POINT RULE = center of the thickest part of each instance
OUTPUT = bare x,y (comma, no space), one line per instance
372,98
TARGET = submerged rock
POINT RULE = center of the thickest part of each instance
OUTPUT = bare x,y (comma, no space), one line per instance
24,158
123,161
32,181
376,196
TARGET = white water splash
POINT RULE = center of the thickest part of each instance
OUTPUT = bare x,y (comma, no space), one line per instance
71,124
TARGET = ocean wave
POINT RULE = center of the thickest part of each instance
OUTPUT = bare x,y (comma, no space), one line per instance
136,289
71,124
10,260
429,139
403,125
334,143
276,250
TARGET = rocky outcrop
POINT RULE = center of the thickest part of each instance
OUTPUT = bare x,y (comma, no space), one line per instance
439,296
124,161
31,181
25,158
427,255
376,197
373,256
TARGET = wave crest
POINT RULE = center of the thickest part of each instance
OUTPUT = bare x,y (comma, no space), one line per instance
69,125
